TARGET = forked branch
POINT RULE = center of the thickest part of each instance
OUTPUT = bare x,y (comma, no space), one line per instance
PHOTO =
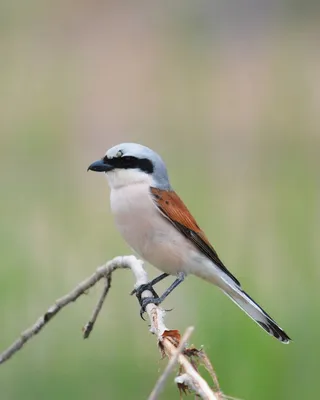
169,341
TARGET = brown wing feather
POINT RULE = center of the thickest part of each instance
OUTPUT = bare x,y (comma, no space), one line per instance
170,204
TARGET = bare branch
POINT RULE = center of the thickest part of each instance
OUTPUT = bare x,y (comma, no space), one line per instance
168,340
101,272
87,329
173,360
207,363
192,378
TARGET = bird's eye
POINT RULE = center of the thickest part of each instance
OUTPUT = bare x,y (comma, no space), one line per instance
119,154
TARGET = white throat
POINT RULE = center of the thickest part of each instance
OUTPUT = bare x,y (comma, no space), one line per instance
125,177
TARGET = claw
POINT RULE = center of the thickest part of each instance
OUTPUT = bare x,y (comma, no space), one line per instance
155,299
148,300
142,311
139,290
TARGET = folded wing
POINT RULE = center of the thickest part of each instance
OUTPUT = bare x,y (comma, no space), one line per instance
173,208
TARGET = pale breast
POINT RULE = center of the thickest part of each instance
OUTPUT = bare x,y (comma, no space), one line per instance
150,234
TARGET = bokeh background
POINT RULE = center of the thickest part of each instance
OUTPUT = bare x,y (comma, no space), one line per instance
229,94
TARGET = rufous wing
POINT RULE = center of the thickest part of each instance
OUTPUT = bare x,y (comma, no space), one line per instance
173,208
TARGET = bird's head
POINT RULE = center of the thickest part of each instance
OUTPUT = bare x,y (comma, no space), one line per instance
131,163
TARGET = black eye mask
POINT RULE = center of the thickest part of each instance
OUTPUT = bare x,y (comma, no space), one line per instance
130,162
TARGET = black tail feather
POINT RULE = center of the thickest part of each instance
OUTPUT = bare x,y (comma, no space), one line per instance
273,329
253,310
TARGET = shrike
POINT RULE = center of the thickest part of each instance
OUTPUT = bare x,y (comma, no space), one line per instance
158,226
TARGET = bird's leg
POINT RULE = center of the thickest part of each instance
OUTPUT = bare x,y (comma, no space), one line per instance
157,300
148,286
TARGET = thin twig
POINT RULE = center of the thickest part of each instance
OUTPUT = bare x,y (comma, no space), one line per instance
207,363
87,329
59,304
173,360
199,385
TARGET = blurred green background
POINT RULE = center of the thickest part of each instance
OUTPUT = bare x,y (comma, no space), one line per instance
229,94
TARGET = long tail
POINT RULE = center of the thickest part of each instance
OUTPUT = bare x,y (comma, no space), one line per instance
251,308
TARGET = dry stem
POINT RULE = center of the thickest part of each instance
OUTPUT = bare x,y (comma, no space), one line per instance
173,360
169,340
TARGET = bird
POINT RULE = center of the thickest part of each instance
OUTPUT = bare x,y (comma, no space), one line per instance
158,226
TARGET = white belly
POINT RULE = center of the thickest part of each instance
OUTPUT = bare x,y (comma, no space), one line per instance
150,234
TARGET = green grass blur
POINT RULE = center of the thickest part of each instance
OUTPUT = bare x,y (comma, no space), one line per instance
230,98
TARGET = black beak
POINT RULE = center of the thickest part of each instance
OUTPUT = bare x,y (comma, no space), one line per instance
100,166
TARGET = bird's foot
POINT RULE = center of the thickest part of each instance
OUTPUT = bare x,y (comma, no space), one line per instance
148,286
148,300
140,289
155,299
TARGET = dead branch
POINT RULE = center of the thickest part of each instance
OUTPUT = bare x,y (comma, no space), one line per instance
169,341
173,360
90,324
